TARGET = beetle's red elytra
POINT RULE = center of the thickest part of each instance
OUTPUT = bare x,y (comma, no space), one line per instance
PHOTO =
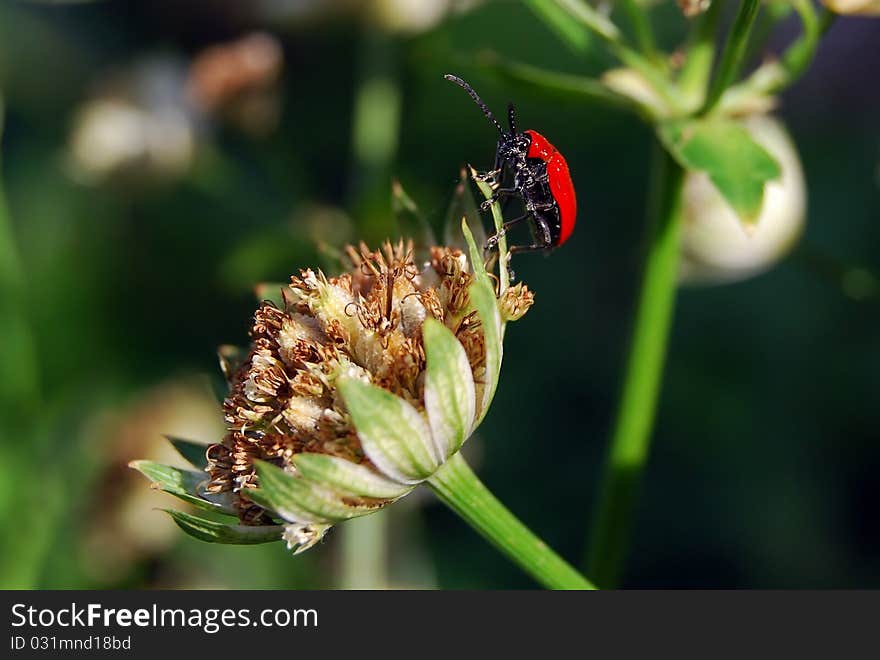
540,179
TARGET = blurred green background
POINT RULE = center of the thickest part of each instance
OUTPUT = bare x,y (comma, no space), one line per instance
150,183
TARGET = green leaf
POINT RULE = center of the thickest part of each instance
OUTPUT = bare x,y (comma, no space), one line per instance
185,484
483,300
302,501
737,165
393,434
450,398
475,257
193,452
214,532
463,205
340,474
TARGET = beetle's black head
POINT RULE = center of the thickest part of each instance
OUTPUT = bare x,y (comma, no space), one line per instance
513,147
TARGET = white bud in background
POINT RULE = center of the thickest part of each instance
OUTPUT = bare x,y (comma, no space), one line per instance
853,7
138,126
717,246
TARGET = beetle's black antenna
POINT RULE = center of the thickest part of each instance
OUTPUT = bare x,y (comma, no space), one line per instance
511,117
470,90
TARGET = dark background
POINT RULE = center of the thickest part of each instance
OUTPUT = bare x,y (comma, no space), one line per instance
765,457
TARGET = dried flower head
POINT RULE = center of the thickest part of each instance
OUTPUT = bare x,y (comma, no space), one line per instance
355,389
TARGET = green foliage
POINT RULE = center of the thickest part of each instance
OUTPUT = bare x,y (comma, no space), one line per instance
449,387
557,19
393,433
299,499
185,484
723,149
193,452
346,477
214,532
483,300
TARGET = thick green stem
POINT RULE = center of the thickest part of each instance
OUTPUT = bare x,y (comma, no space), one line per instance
734,50
630,443
460,489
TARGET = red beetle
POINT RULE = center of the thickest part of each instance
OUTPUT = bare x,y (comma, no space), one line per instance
540,178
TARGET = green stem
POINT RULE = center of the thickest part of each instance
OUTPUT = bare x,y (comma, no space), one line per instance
553,81
695,73
630,443
638,19
775,76
605,29
21,403
557,19
460,489
364,552
798,57
732,55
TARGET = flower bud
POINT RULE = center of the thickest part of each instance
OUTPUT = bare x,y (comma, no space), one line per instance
716,245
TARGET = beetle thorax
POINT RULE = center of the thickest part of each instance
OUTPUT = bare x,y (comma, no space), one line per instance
513,148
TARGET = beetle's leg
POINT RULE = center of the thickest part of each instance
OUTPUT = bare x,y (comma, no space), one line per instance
492,241
496,195
543,239
522,249
491,177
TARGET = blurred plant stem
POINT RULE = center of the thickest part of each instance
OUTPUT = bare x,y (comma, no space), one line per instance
375,133
19,372
589,89
794,62
459,488
732,56
800,54
364,552
630,443
638,18
21,551
697,68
